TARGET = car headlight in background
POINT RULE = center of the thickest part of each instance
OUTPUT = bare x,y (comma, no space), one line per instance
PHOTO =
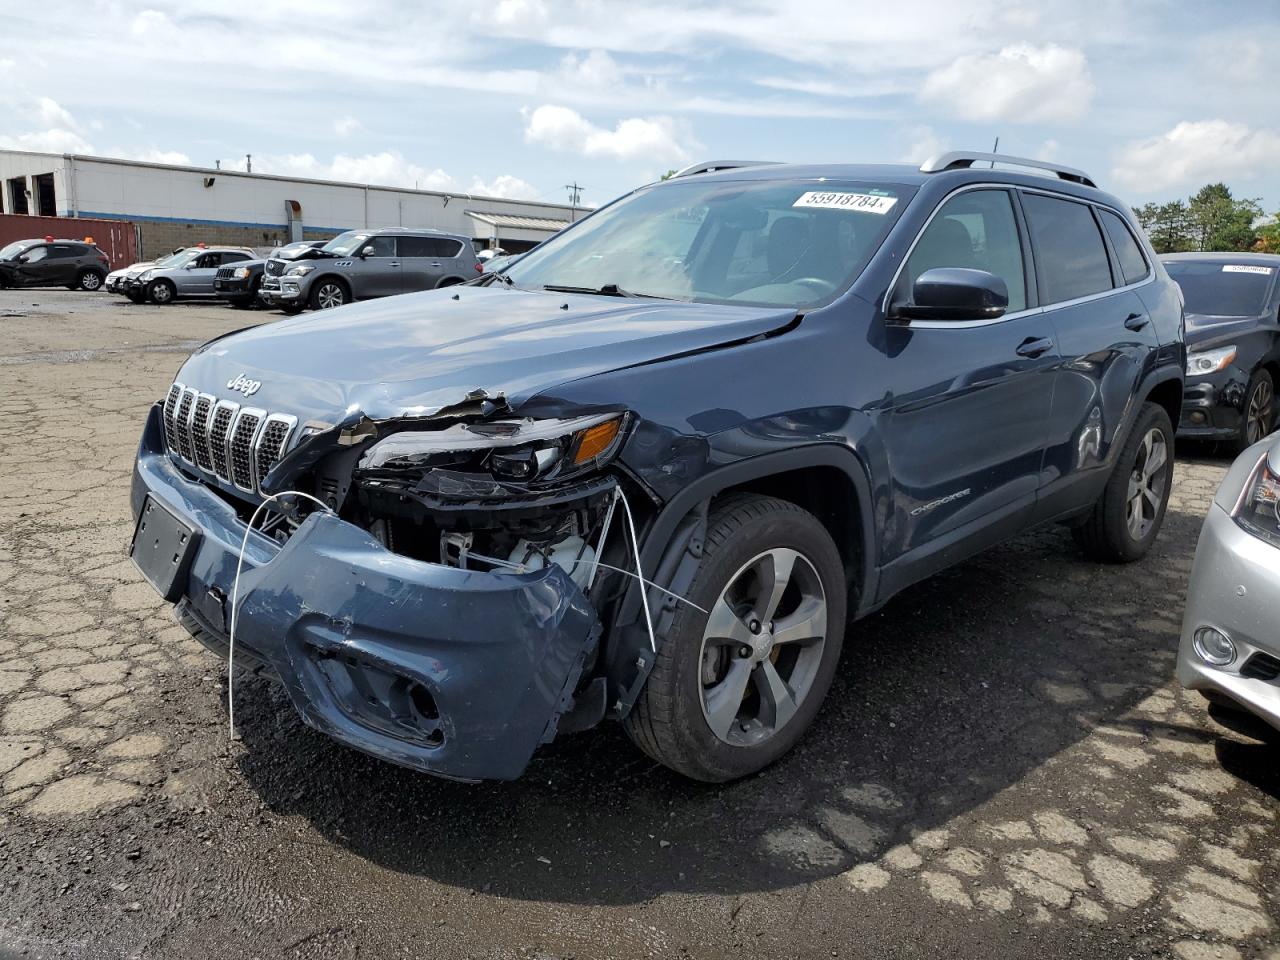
1259,509
1210,361
520,450
241,273
300,271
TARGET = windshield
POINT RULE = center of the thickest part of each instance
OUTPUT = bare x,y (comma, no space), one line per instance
15,248
764,242
345,244
177,259
1222,289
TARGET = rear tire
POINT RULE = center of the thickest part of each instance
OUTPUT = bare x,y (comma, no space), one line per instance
1258,418
721,667
90,280
1127,517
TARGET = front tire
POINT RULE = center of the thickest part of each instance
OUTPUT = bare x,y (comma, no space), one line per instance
90,280
327,294
1127,517
1257,419
136,296
161,292
734,688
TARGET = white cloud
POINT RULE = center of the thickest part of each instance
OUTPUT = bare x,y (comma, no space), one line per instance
516,13
1021,83
47,141
347,126
596,69
923,143
176,157
1196,150
505,185
1049,150
50,113
653,139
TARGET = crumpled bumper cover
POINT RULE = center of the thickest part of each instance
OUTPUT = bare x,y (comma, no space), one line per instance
453,672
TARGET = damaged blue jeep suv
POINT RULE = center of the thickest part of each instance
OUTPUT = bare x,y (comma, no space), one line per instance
652,471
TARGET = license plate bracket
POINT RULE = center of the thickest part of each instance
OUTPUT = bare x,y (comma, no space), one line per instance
162,548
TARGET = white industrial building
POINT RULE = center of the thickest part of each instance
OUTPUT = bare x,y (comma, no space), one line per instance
177,206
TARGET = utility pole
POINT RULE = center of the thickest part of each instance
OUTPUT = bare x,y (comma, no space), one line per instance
575,197
248,163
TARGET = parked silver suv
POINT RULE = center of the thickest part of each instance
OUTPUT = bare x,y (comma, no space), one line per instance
361,264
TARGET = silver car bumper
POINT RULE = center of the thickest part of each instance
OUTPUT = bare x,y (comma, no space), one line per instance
1235,588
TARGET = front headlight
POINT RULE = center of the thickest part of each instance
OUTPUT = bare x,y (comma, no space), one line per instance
241,273
1210,361
301,270
145,276
524,451
1259,508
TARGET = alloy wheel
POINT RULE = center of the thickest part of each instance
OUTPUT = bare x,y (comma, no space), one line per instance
1147,484
329,296
162,293
91,281
762,647
1259,414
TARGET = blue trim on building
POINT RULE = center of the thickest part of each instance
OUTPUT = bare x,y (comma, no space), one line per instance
208,223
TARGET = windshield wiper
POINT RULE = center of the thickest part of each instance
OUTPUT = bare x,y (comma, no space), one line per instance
607,290
487,280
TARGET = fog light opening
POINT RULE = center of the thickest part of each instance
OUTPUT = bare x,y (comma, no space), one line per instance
1198,418
1214,646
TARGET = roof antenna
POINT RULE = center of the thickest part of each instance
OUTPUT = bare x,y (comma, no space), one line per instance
995,148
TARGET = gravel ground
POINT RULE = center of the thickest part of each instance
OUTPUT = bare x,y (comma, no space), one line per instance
1005,766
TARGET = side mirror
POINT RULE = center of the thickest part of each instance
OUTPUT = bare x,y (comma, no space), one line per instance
23,258
368,251
955,293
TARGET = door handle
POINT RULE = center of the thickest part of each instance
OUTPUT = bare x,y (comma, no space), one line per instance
436,264
1034,346
394,263
1135,321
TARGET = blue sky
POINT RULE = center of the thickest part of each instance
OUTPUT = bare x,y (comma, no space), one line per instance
520,97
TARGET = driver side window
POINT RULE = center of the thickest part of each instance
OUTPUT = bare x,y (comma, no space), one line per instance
977,230
382,246
35,254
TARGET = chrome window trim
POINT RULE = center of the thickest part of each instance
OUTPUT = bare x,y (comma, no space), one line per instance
1043,308
252,444
226,440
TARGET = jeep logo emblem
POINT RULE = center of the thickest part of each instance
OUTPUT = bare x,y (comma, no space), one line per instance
244,385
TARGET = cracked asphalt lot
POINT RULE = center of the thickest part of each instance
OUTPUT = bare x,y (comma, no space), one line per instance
1004,768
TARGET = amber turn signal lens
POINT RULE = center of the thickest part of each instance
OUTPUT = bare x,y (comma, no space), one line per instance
596,440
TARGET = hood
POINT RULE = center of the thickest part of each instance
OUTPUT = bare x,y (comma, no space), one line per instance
1205,330
414,354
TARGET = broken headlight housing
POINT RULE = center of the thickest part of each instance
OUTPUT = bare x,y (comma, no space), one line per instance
525,451
1259,508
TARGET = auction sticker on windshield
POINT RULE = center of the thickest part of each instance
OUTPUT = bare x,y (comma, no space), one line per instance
1245,268
860,202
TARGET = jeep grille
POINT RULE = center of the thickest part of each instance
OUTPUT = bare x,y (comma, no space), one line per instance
238,445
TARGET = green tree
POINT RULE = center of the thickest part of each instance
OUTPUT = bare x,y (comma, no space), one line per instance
1269,236
1168,225
669,174
1221,222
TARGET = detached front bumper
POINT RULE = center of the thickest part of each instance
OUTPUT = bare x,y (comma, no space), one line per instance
276,292
453,672
1235,588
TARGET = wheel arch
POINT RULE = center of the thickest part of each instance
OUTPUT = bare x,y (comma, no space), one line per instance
827,479
1167,392
449,281
341,280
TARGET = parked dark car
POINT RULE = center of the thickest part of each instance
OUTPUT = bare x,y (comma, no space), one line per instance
363,264
238,283
53,263
778,394
1233,344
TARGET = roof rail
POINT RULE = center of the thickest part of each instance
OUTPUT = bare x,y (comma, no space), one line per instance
708,166
961,159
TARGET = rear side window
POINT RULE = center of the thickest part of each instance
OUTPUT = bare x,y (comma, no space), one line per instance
64,251
1133,265
975,229
439,247
234,257
1071,258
